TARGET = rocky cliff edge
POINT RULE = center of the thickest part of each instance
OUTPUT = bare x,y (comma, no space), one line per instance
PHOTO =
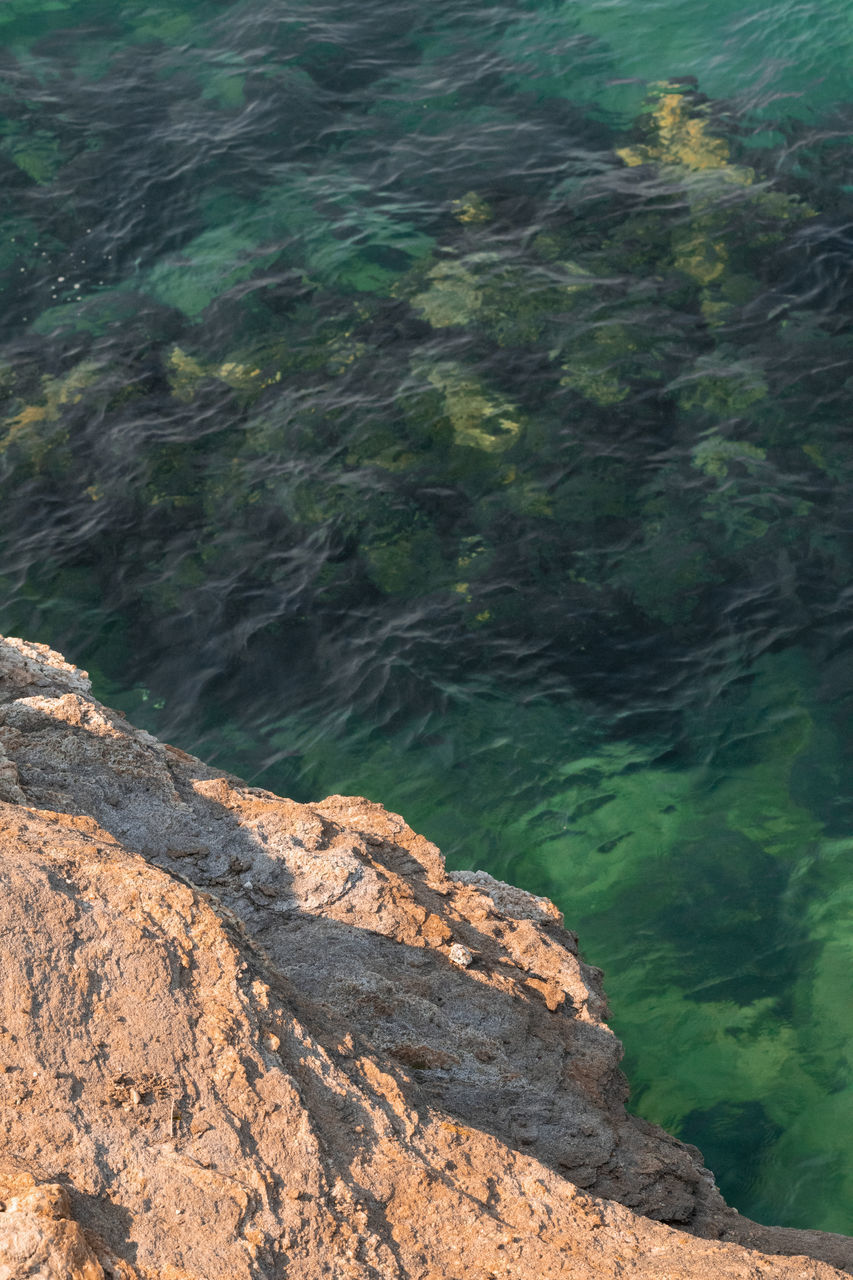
244,1037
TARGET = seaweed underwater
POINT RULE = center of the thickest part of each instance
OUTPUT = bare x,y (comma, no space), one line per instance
393,406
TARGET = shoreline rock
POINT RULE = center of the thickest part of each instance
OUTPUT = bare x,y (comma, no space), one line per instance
246,1037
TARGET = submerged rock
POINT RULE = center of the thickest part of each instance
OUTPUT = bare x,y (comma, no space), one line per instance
238,1039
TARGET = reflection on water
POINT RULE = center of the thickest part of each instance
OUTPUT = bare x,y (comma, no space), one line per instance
449,407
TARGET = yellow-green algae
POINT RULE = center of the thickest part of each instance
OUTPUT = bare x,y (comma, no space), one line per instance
479,420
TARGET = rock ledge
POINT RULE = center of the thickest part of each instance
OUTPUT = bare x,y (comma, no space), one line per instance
244,1037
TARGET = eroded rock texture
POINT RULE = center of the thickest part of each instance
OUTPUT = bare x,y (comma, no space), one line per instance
243,1037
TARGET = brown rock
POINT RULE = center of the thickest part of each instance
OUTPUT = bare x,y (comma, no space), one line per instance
235,1039
40,1240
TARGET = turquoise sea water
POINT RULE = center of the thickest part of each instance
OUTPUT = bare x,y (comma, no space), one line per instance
451,406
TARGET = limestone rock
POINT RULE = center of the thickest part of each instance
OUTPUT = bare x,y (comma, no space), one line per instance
234,1042
40,1240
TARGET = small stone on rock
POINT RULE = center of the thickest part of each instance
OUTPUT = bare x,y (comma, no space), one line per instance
461,956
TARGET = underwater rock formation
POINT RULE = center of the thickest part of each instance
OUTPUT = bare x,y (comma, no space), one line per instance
245,1037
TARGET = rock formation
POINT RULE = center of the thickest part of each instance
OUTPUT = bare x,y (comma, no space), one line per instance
244,1037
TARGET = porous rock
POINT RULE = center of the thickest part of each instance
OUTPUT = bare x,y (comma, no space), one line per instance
234,1042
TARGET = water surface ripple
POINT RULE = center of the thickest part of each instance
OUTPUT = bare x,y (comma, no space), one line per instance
450,405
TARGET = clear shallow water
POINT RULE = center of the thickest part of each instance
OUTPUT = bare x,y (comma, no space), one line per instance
452,408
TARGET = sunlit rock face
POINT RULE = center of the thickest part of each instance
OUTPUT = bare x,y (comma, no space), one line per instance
244,1037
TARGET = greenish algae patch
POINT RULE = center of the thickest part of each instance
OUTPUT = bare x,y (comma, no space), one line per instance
715,455
453,296
479,420
35,428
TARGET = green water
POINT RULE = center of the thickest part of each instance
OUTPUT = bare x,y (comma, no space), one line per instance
451,407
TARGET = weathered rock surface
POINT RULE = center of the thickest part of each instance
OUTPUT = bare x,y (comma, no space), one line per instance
40,1240
244,1037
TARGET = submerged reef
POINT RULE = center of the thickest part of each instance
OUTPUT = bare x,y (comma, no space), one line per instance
489,385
